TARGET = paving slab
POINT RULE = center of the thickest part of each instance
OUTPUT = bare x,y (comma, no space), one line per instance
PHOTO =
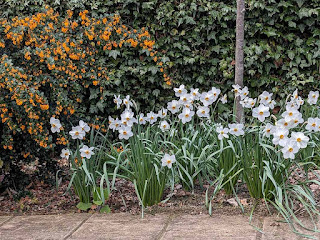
3,219
41,226
121,226
205,227
275,229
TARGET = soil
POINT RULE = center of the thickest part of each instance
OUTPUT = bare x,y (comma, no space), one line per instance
42,198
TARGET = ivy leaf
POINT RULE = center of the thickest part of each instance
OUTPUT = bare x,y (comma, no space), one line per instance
291,55
114,54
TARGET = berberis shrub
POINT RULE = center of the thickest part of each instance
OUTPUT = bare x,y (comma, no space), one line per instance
66,66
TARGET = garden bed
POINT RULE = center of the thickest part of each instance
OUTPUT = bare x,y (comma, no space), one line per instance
42,198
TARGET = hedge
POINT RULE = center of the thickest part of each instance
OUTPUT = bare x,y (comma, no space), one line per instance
195,41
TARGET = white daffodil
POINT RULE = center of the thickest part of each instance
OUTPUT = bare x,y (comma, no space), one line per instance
164,126
55,125
297,119
127,102
152,117
142,119
186,115
207,98
65,153
117,100
290,113
168,160
222,132
86,151
114,124
300,139
290,149
271,104
268,130
173,106
236,89
265,97
125,132
195,93
203,111
84,126
224,99
248,102
244,92
127,118
313,124
236,129
280,136
283,123
188,105
245,102
185,99
313,97
77,133
261,112
295,95
163,113
180,90
215,93
292,104
300,101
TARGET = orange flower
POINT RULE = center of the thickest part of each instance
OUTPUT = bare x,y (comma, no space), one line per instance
44,106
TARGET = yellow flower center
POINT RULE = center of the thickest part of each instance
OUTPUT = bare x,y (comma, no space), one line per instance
173,107
203,112
127,119
266,98
168,161
187,115
53,125
164,126
87,152
281,136
299,140
314,96
66,154
290,114
286,124
261,113
236,129
180,91
206,98
151,118
124,133
290,149
76,133
313,124
268,130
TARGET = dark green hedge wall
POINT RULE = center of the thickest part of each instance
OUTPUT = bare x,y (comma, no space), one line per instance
282,49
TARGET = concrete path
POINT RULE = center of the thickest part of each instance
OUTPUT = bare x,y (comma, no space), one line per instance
153,227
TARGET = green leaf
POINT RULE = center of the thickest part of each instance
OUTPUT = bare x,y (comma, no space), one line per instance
105,209
291,55
84,206
114,53
98,203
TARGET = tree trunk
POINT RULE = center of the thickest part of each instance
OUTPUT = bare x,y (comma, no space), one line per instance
238,79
